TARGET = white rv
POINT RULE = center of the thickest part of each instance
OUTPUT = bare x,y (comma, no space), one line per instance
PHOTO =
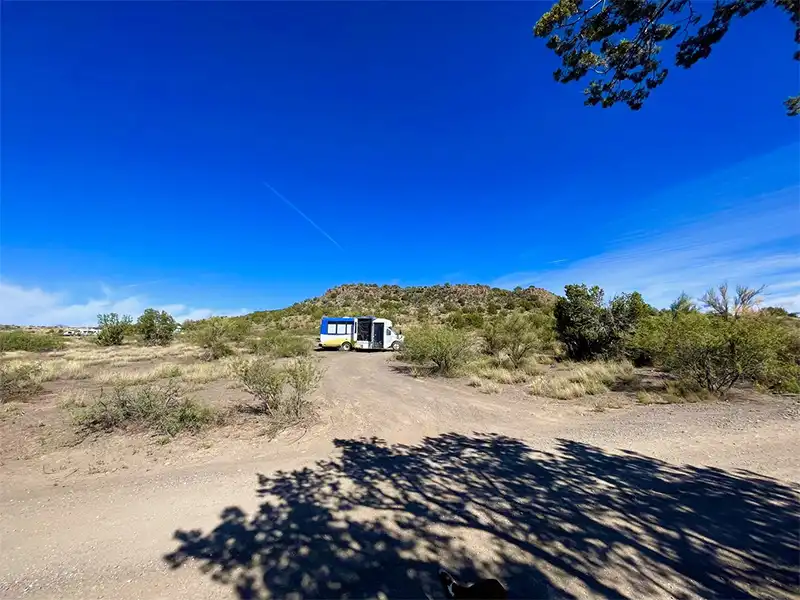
362,333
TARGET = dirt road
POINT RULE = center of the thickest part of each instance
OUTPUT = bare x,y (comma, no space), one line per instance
403,474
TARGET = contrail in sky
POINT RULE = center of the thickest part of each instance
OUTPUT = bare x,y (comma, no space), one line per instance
302,214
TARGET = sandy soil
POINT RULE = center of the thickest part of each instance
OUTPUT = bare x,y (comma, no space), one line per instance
400,475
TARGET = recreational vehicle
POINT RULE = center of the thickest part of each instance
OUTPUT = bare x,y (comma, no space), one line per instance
363,333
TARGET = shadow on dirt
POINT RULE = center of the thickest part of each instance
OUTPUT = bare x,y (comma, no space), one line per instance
575,522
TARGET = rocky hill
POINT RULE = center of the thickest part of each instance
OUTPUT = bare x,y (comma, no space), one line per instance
409,304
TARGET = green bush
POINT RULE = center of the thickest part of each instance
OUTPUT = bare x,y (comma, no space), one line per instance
237,328
281,390
590,329
160,408
447,349
112,329
156,328
518,336
280,344
19,383
29,342
212,336
465,320
714,352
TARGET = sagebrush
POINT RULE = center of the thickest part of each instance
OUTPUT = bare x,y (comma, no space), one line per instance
163,409
281,390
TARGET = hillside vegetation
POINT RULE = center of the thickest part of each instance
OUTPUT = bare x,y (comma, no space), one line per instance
455,304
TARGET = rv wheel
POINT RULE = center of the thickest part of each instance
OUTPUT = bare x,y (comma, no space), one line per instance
346,346
395,346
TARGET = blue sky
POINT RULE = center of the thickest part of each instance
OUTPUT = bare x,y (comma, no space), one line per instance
138,137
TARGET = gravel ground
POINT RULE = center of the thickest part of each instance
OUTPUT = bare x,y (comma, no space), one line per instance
555,499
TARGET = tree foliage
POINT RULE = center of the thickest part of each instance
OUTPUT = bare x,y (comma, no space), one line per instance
156,328
682,304
589,328
113,329
618,43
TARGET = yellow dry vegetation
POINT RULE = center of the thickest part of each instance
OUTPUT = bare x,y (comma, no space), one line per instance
51,370
580,380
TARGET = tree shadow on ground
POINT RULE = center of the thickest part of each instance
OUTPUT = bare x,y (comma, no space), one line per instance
575,522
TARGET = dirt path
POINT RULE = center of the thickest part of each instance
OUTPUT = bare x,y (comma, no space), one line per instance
556,500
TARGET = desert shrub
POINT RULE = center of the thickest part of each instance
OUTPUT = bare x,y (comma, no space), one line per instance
264,380
20,382
447,349
112,329
303,377
465,320
161,408
156,328
715,351
282,391
212,336
493,336
591,329
280,344
518,336
28,341
237,328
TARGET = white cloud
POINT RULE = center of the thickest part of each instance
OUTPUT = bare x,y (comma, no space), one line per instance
755,245
34,306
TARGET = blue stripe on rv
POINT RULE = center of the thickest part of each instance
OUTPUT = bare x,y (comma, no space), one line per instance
323,326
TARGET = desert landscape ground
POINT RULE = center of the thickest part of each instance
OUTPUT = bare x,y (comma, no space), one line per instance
597,496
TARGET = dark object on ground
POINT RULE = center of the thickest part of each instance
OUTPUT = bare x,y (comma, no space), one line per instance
485,589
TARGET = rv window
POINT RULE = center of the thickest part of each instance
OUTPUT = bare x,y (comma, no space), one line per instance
331,328
389,331
349,329
341,328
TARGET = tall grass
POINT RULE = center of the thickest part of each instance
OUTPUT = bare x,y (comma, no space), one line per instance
162,371
581,380
51,370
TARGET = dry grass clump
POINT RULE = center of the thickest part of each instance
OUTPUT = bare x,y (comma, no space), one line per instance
123,355
206,372
503,375
163,371
50,370
484,386
581,380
